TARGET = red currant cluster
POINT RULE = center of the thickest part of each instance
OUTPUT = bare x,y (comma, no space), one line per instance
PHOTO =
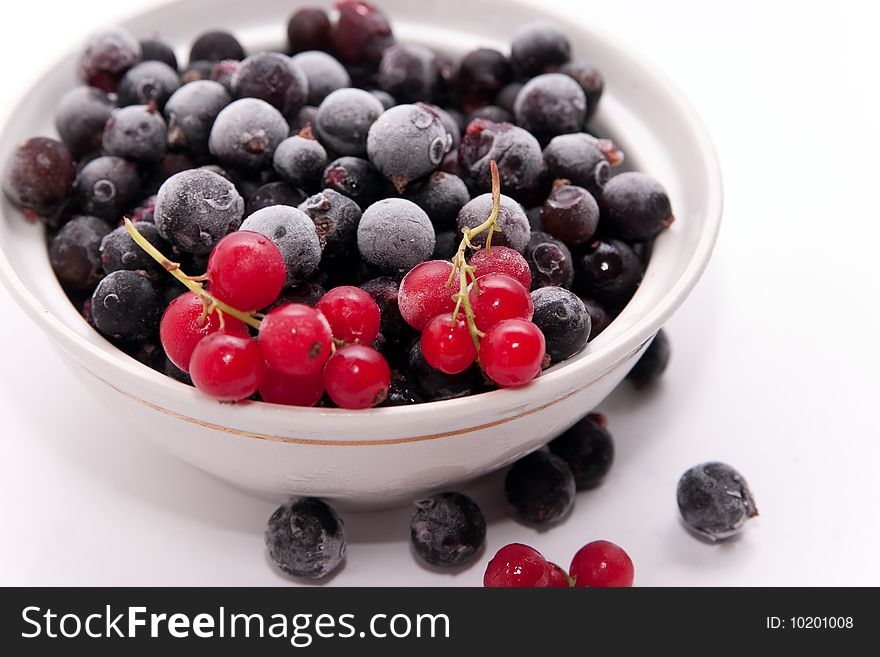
597,564
299,352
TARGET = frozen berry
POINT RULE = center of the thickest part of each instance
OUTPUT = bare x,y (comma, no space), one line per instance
515,229
191,112
361,33
652,363
539,47
635,207
601,564
502,260
293,232
148,83
550,261
424,292
300,161
136,133
356,178
588,449
196,208
107,186
563,319
80,118
570,214
447,344
107,56
496,297
491,113
517,565
591,81
74,253
308,29
246,133
408,72
324,74
126,305
216,46
153,50
610,272
274,78
407,142
441,195
306,538
549,105
353,314
295,339
39,178
516,152
273,193
512,352
119,250
344,120
395,235
246,270
447,529
715,501
482,73
579,159
540,487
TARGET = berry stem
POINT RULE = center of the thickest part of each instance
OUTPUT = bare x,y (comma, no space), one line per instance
211,302
463,269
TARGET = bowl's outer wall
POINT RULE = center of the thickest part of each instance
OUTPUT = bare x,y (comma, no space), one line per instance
644,114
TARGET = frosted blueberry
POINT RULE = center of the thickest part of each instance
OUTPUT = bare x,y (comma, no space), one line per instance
336,219
408,142
136,133
293,232
539,46
126,305
516,152
549,105
196,208
191,112
119,251
395,235
274,78
408,72
447,529
246,133
148,82
344,119
715,500
324,73
441,195
512,219
578,158
306,538
563,319
300,161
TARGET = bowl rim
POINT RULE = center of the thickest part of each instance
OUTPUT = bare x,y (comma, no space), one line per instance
599,363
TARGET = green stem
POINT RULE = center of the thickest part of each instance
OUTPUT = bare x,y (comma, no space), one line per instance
211,302
463,269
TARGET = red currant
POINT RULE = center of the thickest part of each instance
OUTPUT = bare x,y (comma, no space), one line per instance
353,314
180,329
227,367
517,565
246,270
512,352
602,564
296,339
447,345
424,294
280,388
502,260
558,577
498,297
357,377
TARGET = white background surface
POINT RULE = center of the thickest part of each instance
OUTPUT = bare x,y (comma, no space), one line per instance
775,364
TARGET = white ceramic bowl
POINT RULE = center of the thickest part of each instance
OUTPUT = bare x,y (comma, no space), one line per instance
383,456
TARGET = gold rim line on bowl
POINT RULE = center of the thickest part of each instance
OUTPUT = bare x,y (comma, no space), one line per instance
352,443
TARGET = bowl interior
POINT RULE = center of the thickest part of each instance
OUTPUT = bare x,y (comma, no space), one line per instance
640,110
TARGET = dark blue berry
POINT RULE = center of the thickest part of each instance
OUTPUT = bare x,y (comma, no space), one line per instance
407,142
441,195
137,133
540,488
715,501
196,208
119,251
515,151
361,34
609,272
539,47
216,46
549,105
274,78
108,186
400,391
273,193
635,207
305,538
300,161
588,449
148,82
308,29
515,230
447,529
432,385
74,253
324,73
591,82
549,260
190,113
652,363
153,50
356,178
80,118
344,119
563,319
39,179
482,74
570,214
336,218
579,159
293,232
107,56
408,72
395,235
126,305
246,133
